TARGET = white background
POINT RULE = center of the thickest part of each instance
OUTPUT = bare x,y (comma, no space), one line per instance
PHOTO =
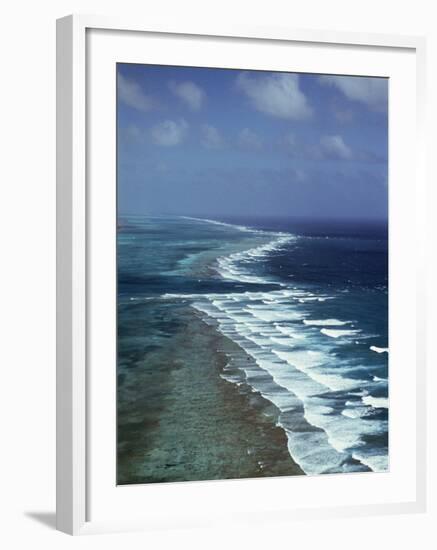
27,303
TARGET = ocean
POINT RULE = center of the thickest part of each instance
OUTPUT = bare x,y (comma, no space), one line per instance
299,312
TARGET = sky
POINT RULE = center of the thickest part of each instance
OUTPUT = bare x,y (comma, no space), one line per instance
229,143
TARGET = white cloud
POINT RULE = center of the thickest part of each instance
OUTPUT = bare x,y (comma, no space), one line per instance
371,91
131,93
329,147
211,138
248,139
190,93
334,147
277,95
169,132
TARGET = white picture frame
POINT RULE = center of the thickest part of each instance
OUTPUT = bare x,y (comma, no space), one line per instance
74,464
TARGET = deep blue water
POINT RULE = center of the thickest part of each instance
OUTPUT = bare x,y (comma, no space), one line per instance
308,302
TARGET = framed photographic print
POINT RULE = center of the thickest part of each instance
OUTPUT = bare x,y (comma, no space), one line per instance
240,330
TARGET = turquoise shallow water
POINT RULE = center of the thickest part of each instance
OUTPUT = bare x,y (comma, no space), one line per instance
305,307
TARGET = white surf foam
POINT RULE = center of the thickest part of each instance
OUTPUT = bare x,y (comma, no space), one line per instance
314,365
282,341
229,267
379,350
377,463
375,402
288,331
325,322
353,413
224,224
271,315
313,453
333,333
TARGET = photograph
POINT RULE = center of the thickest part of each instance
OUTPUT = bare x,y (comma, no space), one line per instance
252,274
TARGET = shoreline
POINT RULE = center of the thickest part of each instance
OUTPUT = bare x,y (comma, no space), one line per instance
191,423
